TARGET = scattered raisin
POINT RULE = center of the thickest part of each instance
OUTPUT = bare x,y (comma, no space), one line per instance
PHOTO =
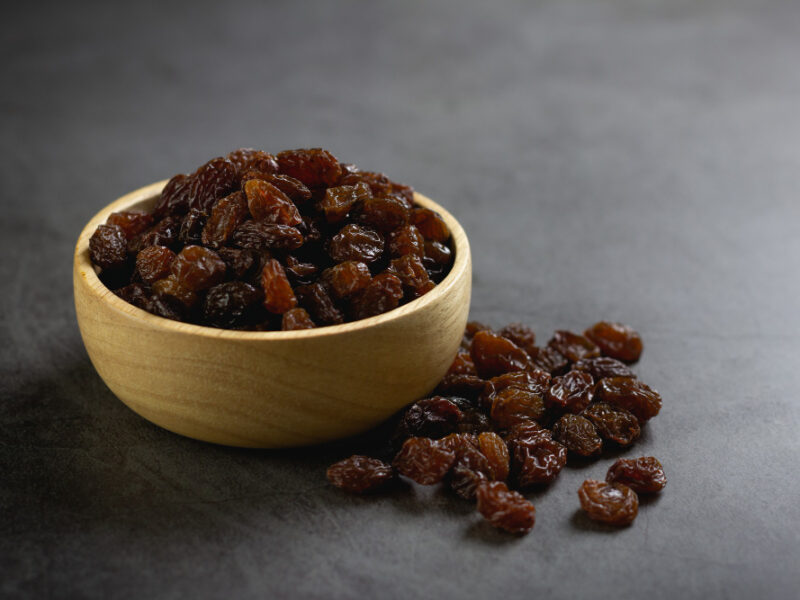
613,423
611,503
424,460
572,346
496,452
359,474
644,475
550,360
505,509
513,405
616,340
571,392
431,418
522,335
578,434
537,460
630,394
601,367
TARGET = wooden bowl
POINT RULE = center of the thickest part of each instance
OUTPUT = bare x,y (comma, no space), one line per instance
269,389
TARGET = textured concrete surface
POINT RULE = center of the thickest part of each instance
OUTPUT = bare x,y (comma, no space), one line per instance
611,159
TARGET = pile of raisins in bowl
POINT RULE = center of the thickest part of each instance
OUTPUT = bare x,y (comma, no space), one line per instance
509,415
261,242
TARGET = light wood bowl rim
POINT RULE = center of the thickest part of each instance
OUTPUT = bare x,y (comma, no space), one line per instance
82,262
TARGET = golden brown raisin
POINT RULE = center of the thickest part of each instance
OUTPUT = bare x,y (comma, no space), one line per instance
415,278
132,223
611,503
505,509
601,367
494,355
384,214
643,475
226,216
295,319
512,405
424,460
356,243
359,474
613,423
495,450
270,205
381,295
339,201
572,346
571,392
345,279
616,340
630,394
536,460
578,434
430,224
315,167
198,268
170,286
406,240
278,294
153,263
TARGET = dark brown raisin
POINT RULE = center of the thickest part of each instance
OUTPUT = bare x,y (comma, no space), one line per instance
522,335
108,247
537,461
424,460
613,423
616,340
534,380
572,346
132,223
406,240
505,509
293,188
381,295
316,300
163,233
300,273
470,467
380,185
412,273
136,294
339,201
345,279
259,236
643,475
430,224
243,263
174,197
526,432
551,361
295,319
230,304
437,256
494,355
360,474
226,216
267,203
191,229
212,181
611,503
578,435
571,392
356,243
170,286
153,263
512,405
247,159
169,307
431,418
278,294
384,214
601,367
630,394
315,167
198,268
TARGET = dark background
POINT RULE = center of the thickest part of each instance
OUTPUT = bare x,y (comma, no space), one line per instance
626,160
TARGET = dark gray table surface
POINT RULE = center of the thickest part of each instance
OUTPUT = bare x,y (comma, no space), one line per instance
634,161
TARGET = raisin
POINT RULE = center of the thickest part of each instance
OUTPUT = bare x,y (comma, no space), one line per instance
462,365
167,306
613,423
267,203
611,503
578,434
437,256
537,460
571,392
431,418
381,295
174,197
345,279
356,243
495,450
153,263
384,214
163,233
359,474
513,405
259,236
108,247
470,467
243,263
295,319
170,286
278,294
198,268
424,460
191,229
315,167
522,335
214,180
294,189
132,223
551,361
643,475
430,224
318,303
505,509
616,340
632,395
473,420
406,240
246,159
572,346
230,304
494,355
380,185
469,386
533,380
601,367
526,432
413,275
136,294
226,216
339,201
474,327
300,273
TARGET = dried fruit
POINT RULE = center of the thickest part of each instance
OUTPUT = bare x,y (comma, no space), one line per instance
522,335
381,295
430,224
345,279
505,509
318,303
495,450
191,229
571,392
572,346
356,243
359,474
424,460
470,467
153,263
339,201
384,214
494,355
536,460
229,304
611,503
108,247
513,405
198,268
630,394
269,204
412,273
616,340
613,423
226,216
259,235
278,294
406,240
132,223
601,367
315,167
295,319
431,418
170,286
550,360
578,434
644,475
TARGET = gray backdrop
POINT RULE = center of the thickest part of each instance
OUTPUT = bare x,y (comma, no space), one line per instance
634,161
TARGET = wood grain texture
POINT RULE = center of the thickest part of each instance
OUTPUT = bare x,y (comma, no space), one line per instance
269,389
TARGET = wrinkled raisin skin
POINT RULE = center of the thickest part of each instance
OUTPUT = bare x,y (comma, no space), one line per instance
643,475
630,394
424,460
571,392
611,503
613,423
108,247
505,509
494,355
578,434
616,340
360,474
